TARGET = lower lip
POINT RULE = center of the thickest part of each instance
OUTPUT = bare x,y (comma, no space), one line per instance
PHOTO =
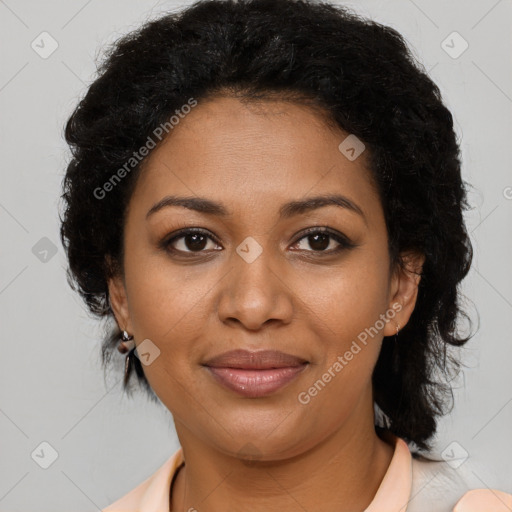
255,383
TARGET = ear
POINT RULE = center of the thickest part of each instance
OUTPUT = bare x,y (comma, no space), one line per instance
119,302
404,290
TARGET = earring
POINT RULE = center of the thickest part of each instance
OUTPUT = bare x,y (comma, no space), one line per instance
126,344
396,353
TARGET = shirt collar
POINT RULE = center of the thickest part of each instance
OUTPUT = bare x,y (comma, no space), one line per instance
394,491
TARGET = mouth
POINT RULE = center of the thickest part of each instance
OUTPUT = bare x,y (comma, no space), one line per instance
255,374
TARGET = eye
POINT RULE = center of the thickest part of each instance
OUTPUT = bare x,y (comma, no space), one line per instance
189,241
320,240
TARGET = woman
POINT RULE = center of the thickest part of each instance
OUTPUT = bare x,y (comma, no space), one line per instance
266,195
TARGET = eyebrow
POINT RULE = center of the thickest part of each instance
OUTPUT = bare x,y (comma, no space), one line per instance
287,210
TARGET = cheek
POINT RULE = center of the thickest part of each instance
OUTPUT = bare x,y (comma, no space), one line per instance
345,323
165,300
347,307
169,306
349,298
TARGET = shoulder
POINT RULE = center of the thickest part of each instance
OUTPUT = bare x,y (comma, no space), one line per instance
153,493
130,501
490,500
439,487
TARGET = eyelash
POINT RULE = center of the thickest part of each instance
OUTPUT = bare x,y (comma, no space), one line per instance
344,242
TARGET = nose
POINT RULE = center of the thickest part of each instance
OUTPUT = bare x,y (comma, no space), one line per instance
255,292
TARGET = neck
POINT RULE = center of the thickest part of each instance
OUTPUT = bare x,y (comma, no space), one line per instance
345,469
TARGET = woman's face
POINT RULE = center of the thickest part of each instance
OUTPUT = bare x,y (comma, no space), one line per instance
255,280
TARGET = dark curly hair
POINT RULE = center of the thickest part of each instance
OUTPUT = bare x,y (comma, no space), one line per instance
365,80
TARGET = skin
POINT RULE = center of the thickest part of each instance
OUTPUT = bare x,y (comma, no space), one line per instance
253,158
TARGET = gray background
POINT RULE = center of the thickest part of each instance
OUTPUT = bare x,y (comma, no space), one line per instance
51,384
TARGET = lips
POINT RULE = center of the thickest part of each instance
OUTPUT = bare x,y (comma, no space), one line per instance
260,360
255,374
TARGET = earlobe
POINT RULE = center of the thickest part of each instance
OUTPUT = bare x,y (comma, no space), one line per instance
404,288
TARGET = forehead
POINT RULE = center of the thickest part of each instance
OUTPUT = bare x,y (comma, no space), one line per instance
249,154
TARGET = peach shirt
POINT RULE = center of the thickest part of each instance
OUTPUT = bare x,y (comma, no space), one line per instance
393,494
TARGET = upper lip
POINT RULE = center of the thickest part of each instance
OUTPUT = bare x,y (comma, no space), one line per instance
249,360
